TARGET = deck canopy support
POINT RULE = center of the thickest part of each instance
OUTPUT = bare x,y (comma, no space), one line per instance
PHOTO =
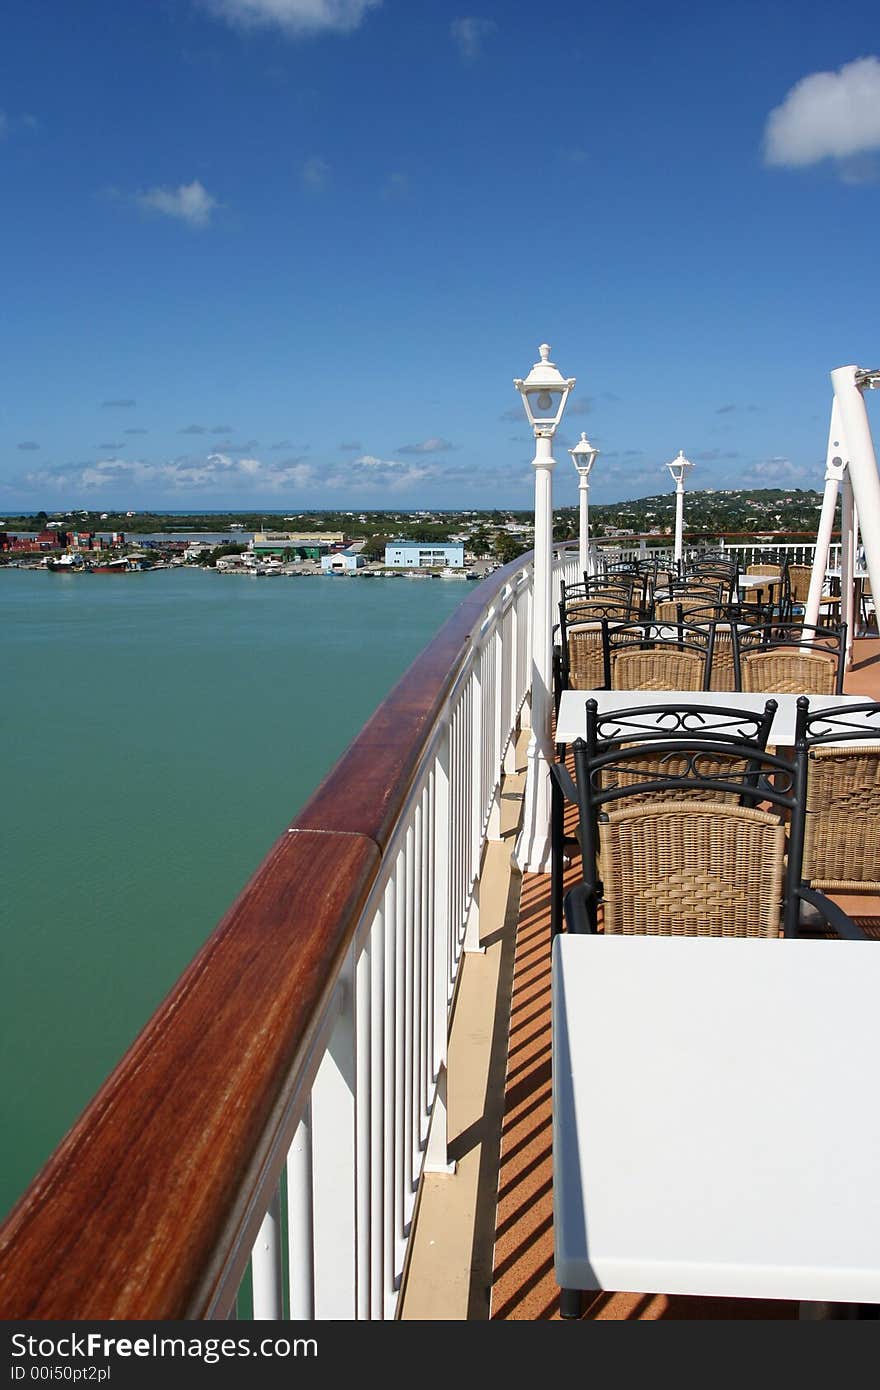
851,470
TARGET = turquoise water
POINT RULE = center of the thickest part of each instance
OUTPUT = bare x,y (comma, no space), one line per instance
158,732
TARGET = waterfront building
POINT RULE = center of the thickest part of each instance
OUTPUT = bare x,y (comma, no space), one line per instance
342,562
424,554
301,545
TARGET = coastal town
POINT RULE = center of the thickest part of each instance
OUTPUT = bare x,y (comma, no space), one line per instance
418,544
266,553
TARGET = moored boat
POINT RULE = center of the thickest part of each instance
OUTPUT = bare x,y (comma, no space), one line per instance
71,563
112,567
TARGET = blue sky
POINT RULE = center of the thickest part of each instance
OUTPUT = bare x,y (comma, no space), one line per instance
291,253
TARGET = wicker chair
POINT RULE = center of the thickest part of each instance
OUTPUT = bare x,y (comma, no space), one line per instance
697,612
640,584
592,587
663,864
777,585
582,626
695,721
791,657
658,656
644,725
725,574
842,834
682,606
798,590
724,675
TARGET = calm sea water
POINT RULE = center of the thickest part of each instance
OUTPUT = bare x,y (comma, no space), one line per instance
159,731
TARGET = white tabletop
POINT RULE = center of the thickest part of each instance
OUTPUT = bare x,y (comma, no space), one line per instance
755,581
571,722
715,1129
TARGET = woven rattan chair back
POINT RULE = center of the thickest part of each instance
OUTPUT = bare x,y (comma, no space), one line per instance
676,868
657,668
658,656
842,835
687,608
799,577
585,666
791,656
780,670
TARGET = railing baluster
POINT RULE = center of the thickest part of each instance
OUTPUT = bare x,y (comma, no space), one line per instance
416,977
400,1234
425,965
334,1169
301,1222
389,1110
376,1113
266,1265
408,982
363,1111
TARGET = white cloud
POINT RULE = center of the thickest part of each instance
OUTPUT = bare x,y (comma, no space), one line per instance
778,470
209,473
372,473
427,446
190,203
294,17
469,34
827,115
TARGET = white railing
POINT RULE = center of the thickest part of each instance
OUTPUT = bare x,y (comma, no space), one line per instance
748,553
374,1117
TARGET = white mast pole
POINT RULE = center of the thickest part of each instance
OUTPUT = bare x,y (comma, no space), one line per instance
835,466
849,383
847,553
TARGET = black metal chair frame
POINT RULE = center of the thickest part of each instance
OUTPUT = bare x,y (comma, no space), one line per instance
774,780
638,579
822,726
728,574
638,725
648,634
595,610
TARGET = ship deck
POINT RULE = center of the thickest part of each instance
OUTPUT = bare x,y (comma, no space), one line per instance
483,1246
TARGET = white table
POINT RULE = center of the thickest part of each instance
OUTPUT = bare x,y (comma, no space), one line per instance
571,722
758,581
715,1129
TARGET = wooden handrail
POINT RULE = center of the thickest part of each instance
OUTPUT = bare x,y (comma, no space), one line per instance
137,1212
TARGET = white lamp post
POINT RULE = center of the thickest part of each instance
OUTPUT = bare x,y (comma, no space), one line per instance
583,456
544,393
678,468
